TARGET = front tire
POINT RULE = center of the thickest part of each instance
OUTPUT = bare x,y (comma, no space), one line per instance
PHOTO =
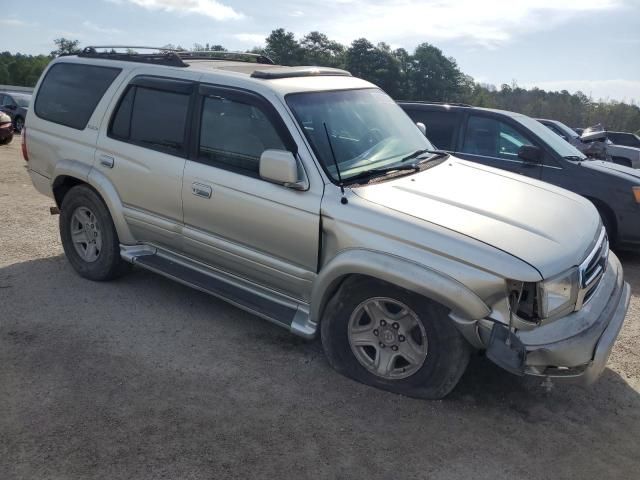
393,339
89,238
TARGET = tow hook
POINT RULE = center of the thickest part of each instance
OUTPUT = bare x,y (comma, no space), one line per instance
54,210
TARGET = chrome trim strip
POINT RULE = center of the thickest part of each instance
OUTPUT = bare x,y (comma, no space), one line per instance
587,286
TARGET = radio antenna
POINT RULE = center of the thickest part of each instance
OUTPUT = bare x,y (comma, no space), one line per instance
343,200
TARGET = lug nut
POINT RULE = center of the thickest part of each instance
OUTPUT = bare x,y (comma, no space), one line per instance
401,338
375,332
396,325
383,323
394,348
382,345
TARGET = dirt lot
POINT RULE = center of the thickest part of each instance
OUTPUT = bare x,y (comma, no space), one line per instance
144,378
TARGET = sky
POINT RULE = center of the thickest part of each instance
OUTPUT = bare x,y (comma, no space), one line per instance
587,45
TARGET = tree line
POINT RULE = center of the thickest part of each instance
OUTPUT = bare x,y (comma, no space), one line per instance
426,74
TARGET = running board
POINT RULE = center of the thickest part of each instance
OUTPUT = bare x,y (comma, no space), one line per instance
272,306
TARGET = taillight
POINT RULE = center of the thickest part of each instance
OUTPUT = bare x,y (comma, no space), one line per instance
25,155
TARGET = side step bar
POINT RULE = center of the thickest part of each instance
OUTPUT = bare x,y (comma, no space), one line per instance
272,306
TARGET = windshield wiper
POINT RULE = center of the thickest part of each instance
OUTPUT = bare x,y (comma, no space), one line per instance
379,172
417,153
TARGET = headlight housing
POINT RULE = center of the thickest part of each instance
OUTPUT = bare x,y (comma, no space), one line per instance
551,298
558,295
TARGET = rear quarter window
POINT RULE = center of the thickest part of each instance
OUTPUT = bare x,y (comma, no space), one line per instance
70,93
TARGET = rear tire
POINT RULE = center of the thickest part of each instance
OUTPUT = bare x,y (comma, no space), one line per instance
89,238
426,354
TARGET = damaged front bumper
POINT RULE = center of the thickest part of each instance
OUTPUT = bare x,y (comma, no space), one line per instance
579,345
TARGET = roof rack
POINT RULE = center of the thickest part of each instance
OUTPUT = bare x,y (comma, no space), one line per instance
162,56
168,56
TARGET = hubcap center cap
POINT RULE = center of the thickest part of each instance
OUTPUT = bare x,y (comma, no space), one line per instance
388,335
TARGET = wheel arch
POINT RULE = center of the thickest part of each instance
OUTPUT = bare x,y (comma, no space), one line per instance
69,173
397,271
604,209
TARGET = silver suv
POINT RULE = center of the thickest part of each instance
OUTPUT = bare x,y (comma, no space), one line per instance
307,197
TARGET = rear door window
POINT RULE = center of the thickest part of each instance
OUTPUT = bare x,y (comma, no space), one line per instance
152,118
442,127
70,93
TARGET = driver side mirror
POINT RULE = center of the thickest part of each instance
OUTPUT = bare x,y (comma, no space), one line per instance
422,127
530,153
281,166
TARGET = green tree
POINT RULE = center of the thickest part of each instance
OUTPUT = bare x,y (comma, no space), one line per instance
64,46
317,49
283,48
433,76
376,64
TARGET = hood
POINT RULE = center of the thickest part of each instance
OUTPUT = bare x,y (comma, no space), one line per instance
549,228
613,169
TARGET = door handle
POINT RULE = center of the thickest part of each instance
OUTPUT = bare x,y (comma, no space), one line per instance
201,190
106,160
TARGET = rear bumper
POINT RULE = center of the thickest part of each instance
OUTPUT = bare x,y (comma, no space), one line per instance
579,345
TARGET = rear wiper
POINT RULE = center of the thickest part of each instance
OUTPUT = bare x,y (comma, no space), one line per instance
378,172
417,153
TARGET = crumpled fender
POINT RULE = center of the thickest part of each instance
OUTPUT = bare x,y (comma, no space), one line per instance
397,271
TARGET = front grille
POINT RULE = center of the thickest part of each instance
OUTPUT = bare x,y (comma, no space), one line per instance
590,272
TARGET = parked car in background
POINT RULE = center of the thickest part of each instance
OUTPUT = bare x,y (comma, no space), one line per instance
620,154
6,129
624,138
16,106
308,197
520,144
597,150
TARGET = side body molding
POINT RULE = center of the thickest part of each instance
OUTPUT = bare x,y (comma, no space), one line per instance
93,177
398,271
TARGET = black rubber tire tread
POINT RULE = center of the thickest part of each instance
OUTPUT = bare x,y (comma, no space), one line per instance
15,123
109,264
609,225
448,352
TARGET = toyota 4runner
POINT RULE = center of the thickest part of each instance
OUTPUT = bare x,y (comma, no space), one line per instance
308,197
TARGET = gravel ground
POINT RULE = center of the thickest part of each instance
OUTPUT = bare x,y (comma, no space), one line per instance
145,378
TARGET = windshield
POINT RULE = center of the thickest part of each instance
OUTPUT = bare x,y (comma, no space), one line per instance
556,142
22,100
567,132
367,130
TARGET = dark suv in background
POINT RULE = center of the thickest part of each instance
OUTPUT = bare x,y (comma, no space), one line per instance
15,105
520,144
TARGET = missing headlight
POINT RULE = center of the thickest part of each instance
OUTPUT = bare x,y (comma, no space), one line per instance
523,299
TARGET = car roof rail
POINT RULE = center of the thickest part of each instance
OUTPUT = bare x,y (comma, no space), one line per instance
161,55
168,56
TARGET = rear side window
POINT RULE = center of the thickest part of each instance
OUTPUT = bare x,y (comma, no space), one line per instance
152,118
70,92
442,127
